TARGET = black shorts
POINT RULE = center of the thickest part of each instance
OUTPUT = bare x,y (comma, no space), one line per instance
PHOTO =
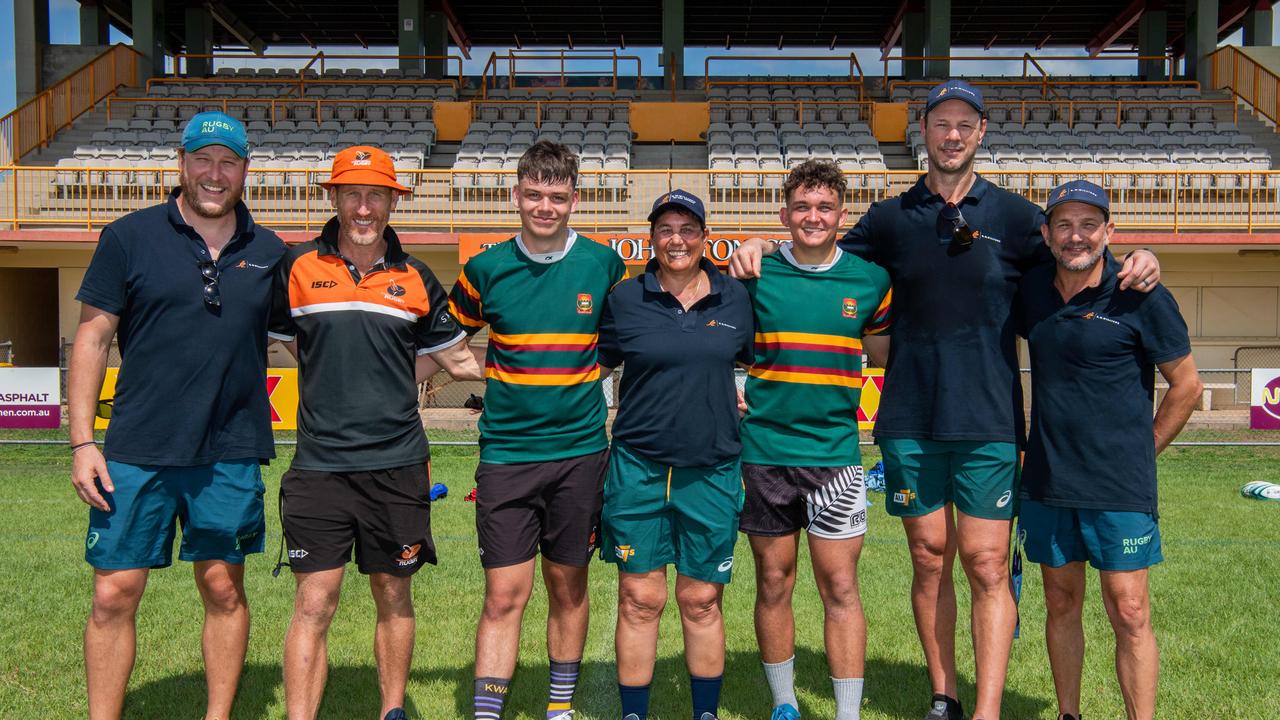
552,507
827,502
385,514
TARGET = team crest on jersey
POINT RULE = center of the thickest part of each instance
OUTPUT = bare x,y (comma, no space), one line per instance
849,308
584,303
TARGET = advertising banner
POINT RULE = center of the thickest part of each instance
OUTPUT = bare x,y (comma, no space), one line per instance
632,247
30,398
282,393
1264,403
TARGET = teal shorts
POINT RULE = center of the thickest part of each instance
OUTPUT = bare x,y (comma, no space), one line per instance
657,515
922,476
1114,540
219,507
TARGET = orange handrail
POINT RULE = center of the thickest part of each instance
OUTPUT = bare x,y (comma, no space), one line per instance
1173,199
32,124
563,57
855,71
1247,80
321,57
1026,58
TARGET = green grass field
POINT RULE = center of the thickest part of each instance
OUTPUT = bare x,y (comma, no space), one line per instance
1215,602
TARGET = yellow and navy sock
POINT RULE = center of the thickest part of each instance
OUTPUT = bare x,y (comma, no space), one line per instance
564,679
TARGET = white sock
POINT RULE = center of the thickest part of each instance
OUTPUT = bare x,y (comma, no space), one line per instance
848,698
782,681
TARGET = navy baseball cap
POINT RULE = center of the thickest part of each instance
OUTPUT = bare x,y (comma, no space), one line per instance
679,199
215,128
955,90
1081,191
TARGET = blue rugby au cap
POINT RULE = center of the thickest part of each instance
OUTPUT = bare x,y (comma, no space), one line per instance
681,199
1081,191
215,128
954,90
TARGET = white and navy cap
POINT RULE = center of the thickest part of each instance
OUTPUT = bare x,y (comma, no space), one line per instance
1081,191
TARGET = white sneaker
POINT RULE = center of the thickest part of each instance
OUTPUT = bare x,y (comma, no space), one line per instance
566,715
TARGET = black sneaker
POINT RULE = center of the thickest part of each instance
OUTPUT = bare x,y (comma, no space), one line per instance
945,708
396,714
1068,716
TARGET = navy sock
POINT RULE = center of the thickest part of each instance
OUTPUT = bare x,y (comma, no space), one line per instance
706,695
635,699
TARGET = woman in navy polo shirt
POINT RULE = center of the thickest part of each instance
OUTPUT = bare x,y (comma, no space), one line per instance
673,491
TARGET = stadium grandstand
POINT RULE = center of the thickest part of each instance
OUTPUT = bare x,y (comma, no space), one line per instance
1185,142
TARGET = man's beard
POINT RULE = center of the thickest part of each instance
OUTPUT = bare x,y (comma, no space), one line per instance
191,192
1079,265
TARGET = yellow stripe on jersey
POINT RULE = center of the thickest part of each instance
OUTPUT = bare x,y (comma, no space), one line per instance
843,341
515,378
463,316
804,378
583,339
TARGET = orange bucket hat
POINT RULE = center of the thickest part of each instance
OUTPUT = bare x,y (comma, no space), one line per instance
363,165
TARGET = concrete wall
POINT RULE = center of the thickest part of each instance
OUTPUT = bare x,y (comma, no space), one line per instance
61,60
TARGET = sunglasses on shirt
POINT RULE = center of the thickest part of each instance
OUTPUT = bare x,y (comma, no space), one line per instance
209,273
961,233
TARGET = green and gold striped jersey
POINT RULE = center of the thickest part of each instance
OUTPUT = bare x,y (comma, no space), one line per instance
542,392
804,387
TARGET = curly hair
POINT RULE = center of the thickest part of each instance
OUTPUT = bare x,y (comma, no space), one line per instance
813,174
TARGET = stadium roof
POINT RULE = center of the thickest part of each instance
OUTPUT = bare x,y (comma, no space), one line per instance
708,23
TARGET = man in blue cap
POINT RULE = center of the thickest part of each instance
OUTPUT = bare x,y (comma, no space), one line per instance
1089,479
186,287
951,419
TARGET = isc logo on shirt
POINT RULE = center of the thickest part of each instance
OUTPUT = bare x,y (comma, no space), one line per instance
584,303
849,308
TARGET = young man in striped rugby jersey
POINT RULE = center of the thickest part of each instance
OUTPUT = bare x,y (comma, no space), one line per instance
543,448
816,309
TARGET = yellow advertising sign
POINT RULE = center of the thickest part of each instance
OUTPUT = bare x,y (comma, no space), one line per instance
282,393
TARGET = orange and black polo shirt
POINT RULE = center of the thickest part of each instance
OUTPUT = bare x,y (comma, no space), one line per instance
358,338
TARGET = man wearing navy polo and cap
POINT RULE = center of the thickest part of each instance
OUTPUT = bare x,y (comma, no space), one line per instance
1089,479
673,489
185,286
950,420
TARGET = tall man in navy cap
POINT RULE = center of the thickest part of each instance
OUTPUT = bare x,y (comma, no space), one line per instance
950,420
1089,481
186,288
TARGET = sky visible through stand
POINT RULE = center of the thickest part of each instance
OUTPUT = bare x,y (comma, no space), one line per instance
64,24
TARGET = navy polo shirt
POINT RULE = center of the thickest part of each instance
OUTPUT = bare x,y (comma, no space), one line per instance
953,364
192,382
1093,362
678,403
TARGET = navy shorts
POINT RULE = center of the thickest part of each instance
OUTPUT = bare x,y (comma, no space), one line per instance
1113,540
219,507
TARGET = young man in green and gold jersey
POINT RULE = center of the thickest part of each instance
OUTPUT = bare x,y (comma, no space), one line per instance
800,460
543,448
